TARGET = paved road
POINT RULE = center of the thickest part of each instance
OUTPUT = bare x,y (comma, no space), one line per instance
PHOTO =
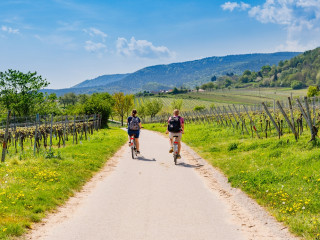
148,198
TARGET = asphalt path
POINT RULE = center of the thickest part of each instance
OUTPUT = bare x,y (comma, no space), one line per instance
151,198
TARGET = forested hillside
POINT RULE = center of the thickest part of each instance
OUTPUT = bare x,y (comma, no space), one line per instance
187,74
101,80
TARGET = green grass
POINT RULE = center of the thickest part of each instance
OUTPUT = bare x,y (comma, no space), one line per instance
282,175
33,186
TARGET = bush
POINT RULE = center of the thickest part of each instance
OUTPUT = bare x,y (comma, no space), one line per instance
199,108
232,146
297,85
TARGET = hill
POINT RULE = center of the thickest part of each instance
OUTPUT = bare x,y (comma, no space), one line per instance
298,72
187,74
101,80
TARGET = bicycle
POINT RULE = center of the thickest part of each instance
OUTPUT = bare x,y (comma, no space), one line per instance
133,146
175,149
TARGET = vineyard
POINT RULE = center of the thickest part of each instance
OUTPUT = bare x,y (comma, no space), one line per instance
273,118
18,134
188,104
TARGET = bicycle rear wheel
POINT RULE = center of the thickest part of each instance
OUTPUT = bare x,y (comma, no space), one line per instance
132,152
175,159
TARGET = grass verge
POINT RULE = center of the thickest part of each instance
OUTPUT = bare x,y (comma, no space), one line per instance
31,186
282,175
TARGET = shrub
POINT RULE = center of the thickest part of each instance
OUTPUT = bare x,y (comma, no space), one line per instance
199,108
232,146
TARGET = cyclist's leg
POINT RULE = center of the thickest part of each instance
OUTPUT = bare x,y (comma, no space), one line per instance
137,141
179,142
171,139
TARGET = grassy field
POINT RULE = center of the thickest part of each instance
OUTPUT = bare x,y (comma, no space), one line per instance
282,175
33,186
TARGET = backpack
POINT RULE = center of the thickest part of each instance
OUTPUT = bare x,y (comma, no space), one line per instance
174,124
134,124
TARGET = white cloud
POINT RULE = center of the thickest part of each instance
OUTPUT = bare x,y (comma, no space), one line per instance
94,32
233,5
300,19
9,30
95,47
142,48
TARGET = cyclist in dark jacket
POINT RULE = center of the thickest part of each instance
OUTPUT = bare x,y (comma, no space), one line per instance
177,132
134,126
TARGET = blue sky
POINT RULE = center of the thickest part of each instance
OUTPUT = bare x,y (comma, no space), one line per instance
69,41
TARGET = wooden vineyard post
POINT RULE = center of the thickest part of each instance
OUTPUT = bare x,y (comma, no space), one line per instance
220,112
291,112
233,116
287,119
220,119
36,135
313,131
64,131
254,127
225,110
314,111
4,145
244,124
306,118
51,126
271,118
74,128
215,116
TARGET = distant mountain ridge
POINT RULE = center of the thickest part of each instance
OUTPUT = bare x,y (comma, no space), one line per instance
186,74
101,80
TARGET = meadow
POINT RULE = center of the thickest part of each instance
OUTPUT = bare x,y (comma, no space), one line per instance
281,175
32,186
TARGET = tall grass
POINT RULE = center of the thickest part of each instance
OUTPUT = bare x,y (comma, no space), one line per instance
32,186
282,175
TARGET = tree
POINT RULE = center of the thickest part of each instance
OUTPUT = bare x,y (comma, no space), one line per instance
68,98
141,110
176,104
19,91
101,103
214,78
48,105
153,107
313,91
197,88
297,85
122,104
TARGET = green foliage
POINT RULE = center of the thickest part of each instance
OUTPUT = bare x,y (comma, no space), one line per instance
232,146
297,85
48,105
176,104
19,91
68,98
313,91
199,108
97,103
122,104
153,107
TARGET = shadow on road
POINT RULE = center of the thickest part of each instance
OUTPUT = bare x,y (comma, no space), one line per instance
182,164
145,159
